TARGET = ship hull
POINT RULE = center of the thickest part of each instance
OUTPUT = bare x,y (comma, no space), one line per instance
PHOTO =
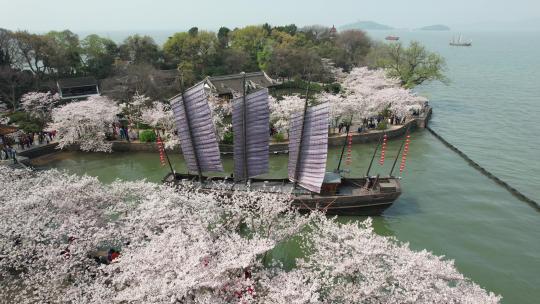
373,204
352,197
460,44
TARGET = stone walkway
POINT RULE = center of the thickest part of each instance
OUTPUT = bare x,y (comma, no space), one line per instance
35,146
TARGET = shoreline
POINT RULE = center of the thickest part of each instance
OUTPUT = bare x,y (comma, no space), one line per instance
336,140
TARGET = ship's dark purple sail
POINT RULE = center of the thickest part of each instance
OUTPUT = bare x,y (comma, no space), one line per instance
256,138
196,131
314,147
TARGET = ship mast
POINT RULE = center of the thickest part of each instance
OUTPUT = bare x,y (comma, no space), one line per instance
374,153
399,151
344,145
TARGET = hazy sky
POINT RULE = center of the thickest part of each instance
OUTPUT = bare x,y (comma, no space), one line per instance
112,15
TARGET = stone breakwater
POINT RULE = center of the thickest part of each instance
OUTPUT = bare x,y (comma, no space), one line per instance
535,205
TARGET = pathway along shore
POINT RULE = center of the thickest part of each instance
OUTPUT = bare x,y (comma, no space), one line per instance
485,172
337,140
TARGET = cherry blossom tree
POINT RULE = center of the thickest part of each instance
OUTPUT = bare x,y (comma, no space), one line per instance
221,113
341,108
351,264
362,77
399,100
85,123
178,245
365,94
160,117
134,108
281,110
39,105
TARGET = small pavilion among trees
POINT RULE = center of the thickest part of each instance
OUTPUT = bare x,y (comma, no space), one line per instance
75,88
225,86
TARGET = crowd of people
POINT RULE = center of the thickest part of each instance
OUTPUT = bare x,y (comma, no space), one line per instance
123,131
372,123
26,141
23,141
8,152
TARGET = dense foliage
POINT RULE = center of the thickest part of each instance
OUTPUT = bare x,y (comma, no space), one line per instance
28,61
413,65
183,246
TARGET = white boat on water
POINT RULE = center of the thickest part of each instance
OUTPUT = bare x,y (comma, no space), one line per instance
460,41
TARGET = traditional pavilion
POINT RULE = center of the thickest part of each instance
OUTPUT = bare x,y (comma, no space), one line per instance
225,86
75,88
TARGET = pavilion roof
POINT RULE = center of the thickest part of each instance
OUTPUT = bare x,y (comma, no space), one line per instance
76,82
233,83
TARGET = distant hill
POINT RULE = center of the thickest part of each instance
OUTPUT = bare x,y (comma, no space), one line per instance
436,27
365,25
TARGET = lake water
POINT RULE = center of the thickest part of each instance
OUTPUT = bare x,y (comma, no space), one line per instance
490,110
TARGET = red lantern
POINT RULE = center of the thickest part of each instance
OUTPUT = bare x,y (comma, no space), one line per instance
383,149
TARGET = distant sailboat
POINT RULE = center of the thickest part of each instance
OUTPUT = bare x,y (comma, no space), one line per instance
460,42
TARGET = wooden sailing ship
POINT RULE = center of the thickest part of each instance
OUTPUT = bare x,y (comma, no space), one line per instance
460,42
311,187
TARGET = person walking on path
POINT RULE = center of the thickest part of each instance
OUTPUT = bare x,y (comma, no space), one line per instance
126,132
122,135
3,154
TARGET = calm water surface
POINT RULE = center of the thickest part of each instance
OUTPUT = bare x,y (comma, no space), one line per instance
491,111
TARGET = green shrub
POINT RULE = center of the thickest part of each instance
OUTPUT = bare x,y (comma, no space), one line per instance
147,136
25,122
333,88
29,126
141,125
228,138
279,137
382,125
386,113
299,84
17,117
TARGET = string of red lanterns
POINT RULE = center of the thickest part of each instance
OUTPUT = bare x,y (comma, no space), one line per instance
405,152
349,150
383,150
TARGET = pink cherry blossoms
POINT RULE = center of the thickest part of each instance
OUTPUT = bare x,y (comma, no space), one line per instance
183,246
85,123
366,93
39,105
